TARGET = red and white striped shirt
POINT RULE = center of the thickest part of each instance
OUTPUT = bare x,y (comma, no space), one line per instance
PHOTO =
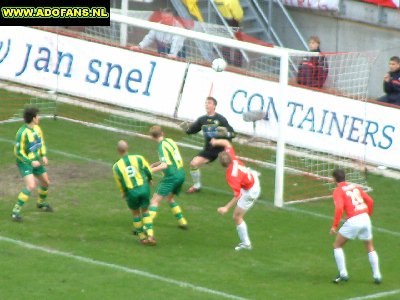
237,175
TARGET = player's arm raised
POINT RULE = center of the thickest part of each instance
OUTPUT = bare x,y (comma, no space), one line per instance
228,131
221,143
193,128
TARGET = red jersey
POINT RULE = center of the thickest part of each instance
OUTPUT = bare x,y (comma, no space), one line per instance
237,175
351,199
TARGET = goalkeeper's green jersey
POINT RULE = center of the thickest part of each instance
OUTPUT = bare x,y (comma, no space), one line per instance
131,171
29,144
168,152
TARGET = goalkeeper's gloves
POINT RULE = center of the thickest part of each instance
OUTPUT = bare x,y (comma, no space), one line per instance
222,132
184,125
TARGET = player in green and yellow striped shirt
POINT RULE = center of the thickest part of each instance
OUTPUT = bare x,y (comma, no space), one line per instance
30,150
171,164
132,174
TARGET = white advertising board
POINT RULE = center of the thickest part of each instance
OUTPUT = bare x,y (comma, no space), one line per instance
90,70
318,121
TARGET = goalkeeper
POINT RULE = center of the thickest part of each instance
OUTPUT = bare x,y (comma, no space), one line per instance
213,125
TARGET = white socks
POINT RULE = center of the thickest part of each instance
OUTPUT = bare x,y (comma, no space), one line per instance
242,232
374,261
340,261
196,178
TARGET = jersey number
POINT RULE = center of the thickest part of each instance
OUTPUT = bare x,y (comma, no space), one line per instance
131,171
178,158
237,167
356,199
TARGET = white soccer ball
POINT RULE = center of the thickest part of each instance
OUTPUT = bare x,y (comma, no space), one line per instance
219,64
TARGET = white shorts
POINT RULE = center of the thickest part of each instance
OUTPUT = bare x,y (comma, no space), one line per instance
249,197
357,227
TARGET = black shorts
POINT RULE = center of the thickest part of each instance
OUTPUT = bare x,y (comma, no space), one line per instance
210,154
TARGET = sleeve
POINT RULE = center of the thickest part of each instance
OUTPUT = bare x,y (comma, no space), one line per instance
231,152
117,178
236,10
162,154
148,39
147,169
235,186
386,87
369,201
394,85
20,143
195,127
337,199
43,149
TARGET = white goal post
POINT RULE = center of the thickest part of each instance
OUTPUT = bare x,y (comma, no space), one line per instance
286,63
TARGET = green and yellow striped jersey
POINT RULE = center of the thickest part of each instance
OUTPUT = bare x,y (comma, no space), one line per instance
131,171
29,144
168,152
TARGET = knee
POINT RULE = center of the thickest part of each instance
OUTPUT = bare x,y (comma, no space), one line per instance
237,219
193,164
31,186
45,183
156,200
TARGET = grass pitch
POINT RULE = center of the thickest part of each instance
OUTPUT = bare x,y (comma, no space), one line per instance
85,250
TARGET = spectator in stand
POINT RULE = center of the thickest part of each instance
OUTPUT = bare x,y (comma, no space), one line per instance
232,12
167,43
193,9
391,82
313,71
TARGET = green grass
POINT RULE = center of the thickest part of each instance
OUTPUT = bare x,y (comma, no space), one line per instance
292,256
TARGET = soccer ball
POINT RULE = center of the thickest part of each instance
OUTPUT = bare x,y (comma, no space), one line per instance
219,64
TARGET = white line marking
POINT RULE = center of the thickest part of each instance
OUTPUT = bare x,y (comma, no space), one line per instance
377,295
181,284
290,208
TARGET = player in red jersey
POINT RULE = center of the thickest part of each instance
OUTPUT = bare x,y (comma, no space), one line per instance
358,206
246,189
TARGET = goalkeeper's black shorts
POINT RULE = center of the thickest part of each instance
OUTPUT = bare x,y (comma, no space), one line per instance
211,154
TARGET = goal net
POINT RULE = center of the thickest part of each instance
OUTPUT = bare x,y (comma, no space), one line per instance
285,105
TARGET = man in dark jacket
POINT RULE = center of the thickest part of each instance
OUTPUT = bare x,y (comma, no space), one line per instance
391,82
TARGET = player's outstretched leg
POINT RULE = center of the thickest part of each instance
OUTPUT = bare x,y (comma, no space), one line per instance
23,197
138,226
177,212
196,176
148,223
153,210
